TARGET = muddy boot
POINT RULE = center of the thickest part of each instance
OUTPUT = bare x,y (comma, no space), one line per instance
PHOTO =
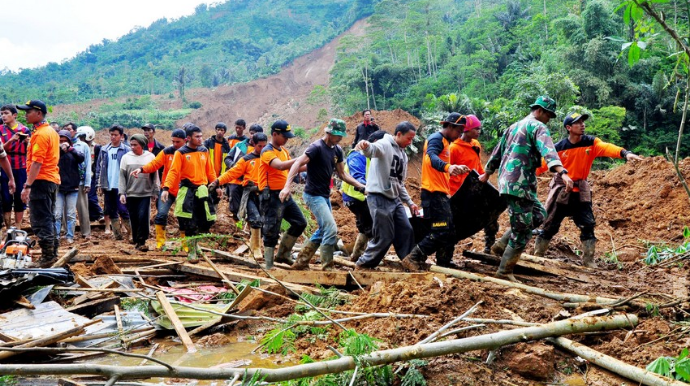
588,248
183,243
268,257
193,252
541,244
509,259
48,254
327,257
306,254
499,246
255,242
444,258
488,242
285,249
128,228
415,260
117,229
359,247
160,236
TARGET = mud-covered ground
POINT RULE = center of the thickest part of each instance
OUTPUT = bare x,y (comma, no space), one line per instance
634,204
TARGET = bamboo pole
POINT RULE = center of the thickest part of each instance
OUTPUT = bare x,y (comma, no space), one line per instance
560,296
377,358
614,365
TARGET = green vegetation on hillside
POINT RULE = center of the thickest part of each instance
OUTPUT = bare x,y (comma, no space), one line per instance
493,58
235,41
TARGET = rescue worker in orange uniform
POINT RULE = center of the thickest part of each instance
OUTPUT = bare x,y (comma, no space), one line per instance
436,172
164,160
466,151
248,168
191,170
577,153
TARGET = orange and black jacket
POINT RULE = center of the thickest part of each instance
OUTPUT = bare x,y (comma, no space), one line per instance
247,168
163,160
578,158
192,165
435,177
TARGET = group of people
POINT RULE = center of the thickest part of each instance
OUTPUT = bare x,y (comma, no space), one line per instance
59,172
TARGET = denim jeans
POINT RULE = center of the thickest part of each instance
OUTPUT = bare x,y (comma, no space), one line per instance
66,201
320,206
163,209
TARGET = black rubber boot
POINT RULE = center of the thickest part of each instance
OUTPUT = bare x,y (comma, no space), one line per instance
444,258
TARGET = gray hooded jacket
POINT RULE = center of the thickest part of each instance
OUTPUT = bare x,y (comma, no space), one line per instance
388,169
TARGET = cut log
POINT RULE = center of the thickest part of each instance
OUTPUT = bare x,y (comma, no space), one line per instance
614,365
344,262
345,363
177,324
65,258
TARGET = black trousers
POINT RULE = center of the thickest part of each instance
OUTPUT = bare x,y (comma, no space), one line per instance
235,198
139,212
581,213
275,212
437,210
253,211
42,206
363,219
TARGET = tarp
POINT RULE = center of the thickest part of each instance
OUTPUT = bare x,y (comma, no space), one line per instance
474,206
14,281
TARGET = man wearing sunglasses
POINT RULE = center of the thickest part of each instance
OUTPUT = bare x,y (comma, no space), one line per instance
436,173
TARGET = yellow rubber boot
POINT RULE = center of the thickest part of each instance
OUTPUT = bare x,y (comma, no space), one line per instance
185,247
160,236
255,243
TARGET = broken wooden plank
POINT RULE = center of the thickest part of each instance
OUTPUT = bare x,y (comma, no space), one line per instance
239,276
330,278
241,249
118,321
231,258
177,324
226,282
52,339
95,307
24,302
94,295
82,281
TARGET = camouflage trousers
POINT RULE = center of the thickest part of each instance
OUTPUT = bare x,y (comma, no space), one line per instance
525,215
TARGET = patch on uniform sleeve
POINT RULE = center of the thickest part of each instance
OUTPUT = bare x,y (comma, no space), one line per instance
36,148
439,224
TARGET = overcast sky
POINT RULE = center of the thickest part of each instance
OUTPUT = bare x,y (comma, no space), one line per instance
59,29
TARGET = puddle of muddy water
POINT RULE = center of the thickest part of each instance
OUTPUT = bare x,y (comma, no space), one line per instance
238,353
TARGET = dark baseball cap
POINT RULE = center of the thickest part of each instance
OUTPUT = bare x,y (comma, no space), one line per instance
455,119
179,133
574,117
282,127
149,126
34,104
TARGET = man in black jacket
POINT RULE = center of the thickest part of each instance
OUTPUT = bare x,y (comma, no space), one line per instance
366,128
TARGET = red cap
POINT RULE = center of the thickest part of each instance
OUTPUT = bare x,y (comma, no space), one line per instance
472,122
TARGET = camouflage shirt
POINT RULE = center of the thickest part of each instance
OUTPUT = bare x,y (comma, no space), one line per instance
518,155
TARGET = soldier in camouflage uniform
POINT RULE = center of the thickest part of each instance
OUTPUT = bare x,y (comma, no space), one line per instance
517,157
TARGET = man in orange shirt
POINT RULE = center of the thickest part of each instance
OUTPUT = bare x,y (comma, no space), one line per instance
191,171
248,168
164,160
42,179
577,153
465,151
436,172
273,170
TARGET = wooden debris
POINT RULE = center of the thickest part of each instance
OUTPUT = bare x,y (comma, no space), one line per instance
65,258
233,258
241,249
344,262
94,295
227,283
52,339
95,307
177,324
526,263
24,302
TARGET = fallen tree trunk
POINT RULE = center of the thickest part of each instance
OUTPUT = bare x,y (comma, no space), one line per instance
345,363
614,365
560,296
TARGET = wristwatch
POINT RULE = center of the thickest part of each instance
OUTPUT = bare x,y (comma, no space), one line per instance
562,172
27,186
